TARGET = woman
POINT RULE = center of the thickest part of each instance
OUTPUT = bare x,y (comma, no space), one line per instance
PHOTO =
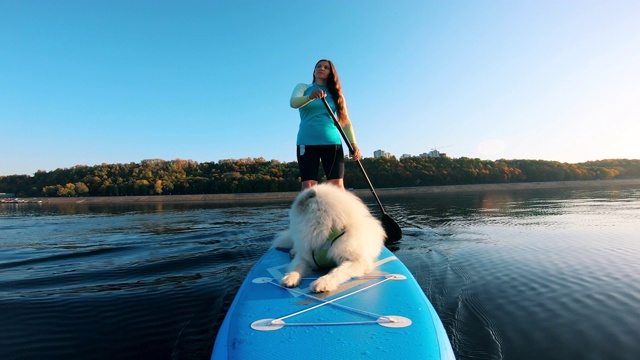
318,138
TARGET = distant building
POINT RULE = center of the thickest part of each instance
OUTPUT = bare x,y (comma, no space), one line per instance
7,195
381,154
433,153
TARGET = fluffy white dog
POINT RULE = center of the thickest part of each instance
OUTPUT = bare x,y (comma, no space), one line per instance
330,227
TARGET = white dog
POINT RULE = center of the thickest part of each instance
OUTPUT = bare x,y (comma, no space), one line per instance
329,227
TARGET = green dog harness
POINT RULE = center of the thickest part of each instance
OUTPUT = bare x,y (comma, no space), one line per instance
321,259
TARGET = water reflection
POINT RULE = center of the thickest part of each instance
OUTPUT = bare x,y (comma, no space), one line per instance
115,208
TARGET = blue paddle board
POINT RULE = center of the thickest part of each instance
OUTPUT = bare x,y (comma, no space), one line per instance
383,315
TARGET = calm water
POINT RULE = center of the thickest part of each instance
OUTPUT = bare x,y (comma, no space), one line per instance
544,274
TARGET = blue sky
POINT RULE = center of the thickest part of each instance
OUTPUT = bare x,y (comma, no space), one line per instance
91,82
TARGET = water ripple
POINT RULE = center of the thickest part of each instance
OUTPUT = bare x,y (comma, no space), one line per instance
514,275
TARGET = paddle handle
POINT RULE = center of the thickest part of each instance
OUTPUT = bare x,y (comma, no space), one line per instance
351,151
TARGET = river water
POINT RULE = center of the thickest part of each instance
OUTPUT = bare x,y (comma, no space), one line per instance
513,274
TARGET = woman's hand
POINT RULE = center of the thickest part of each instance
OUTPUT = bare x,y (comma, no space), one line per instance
356,155
317,94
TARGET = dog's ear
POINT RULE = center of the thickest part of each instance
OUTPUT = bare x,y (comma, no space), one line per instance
309,194
304,198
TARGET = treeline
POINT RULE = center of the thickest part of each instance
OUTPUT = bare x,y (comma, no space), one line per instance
174,177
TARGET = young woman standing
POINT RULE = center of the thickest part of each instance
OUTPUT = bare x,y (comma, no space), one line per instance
318,139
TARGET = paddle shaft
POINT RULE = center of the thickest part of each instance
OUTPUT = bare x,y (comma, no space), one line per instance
351,151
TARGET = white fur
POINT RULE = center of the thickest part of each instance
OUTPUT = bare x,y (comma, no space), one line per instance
313,215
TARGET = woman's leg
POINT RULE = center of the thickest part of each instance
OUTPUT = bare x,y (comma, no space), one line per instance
308,183
333,163
308,163
337,182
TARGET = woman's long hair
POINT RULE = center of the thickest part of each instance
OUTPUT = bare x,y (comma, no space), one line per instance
335,89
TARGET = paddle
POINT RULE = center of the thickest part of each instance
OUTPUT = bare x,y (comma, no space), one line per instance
390,226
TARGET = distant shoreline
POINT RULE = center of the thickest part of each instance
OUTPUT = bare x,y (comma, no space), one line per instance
274,197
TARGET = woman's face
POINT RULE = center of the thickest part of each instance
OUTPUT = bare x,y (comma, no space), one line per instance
322,71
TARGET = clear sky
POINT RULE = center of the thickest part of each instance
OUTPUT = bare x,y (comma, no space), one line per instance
87,82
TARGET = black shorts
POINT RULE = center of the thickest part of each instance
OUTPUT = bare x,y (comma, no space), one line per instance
309,157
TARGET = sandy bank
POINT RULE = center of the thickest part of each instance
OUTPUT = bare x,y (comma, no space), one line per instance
364,193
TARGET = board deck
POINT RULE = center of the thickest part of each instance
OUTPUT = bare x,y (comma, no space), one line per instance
383,315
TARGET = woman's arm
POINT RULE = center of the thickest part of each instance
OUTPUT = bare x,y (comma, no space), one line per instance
348,131
351,136
298,98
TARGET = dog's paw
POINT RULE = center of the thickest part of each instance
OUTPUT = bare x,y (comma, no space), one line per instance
290,280
324,284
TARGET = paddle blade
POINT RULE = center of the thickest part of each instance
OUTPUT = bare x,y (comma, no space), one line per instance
394,233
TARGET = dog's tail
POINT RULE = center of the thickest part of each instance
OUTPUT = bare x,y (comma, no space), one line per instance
283,240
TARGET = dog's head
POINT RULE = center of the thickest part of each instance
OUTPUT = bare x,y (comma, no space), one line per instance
328,203
306,202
